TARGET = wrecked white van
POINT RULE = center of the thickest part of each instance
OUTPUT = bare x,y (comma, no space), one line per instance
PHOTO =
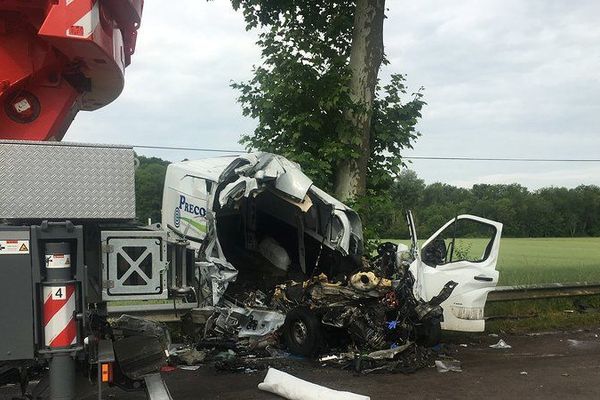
260,226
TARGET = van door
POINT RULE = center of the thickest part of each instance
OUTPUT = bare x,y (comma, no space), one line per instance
464,250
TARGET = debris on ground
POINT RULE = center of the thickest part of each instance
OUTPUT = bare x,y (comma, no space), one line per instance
523,373
292,388
448,365
189,367
140,345
501,345
366,321
282,270
191,356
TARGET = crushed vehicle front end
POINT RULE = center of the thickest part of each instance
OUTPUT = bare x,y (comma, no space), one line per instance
280,261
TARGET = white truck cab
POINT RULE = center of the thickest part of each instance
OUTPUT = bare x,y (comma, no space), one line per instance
239,210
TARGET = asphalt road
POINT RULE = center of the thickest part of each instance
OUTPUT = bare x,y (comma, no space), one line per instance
542,366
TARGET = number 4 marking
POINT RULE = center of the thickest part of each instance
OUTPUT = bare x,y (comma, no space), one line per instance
59,292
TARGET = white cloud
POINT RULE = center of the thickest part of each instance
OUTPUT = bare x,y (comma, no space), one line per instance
503,78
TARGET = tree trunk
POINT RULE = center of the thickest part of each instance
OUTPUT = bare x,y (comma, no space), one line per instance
366,57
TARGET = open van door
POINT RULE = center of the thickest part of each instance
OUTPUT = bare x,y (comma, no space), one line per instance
464,250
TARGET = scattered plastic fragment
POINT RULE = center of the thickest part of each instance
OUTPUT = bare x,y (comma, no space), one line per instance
191,356
448,366
388,353
189,367
523,373
292,388
501,345
225,355
564,374
329,358
464,345
277,353
493,335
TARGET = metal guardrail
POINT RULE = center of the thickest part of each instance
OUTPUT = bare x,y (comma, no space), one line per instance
544,291
167,312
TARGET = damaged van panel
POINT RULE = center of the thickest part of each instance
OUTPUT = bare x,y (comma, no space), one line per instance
257,213
464,250
280,261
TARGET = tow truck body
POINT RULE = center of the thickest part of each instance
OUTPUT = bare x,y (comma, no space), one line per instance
58,57
80,199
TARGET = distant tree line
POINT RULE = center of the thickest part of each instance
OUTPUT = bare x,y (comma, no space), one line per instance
149,182
547,212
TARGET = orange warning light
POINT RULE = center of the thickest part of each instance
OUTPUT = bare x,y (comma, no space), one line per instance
106,370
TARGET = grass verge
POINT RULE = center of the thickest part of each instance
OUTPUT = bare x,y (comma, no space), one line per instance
542,315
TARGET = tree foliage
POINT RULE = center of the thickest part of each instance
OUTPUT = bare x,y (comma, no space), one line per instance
547,212
149,182
299,94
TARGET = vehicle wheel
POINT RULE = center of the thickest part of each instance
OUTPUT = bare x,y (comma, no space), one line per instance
430,333
302,332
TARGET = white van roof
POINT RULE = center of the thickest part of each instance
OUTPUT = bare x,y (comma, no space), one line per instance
206,168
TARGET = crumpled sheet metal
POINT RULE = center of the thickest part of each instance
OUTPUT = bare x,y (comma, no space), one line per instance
247,322
288,177
215,276
263,323
405,359
388,353
243,186
215,273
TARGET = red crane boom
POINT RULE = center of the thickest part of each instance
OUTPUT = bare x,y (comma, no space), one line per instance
61,56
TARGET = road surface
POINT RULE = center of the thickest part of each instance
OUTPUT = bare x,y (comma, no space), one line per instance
542,366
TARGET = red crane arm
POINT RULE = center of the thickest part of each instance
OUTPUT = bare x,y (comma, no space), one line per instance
61,56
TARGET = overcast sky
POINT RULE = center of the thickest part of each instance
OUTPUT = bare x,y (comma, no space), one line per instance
502,79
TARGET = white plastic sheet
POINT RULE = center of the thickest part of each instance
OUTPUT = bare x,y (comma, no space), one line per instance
292,388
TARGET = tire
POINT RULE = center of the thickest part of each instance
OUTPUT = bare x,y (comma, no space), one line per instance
302,332
430,333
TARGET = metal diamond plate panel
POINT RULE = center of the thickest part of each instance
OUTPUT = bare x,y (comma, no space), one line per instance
44,180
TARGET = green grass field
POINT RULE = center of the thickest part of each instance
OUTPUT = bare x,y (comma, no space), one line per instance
547,260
